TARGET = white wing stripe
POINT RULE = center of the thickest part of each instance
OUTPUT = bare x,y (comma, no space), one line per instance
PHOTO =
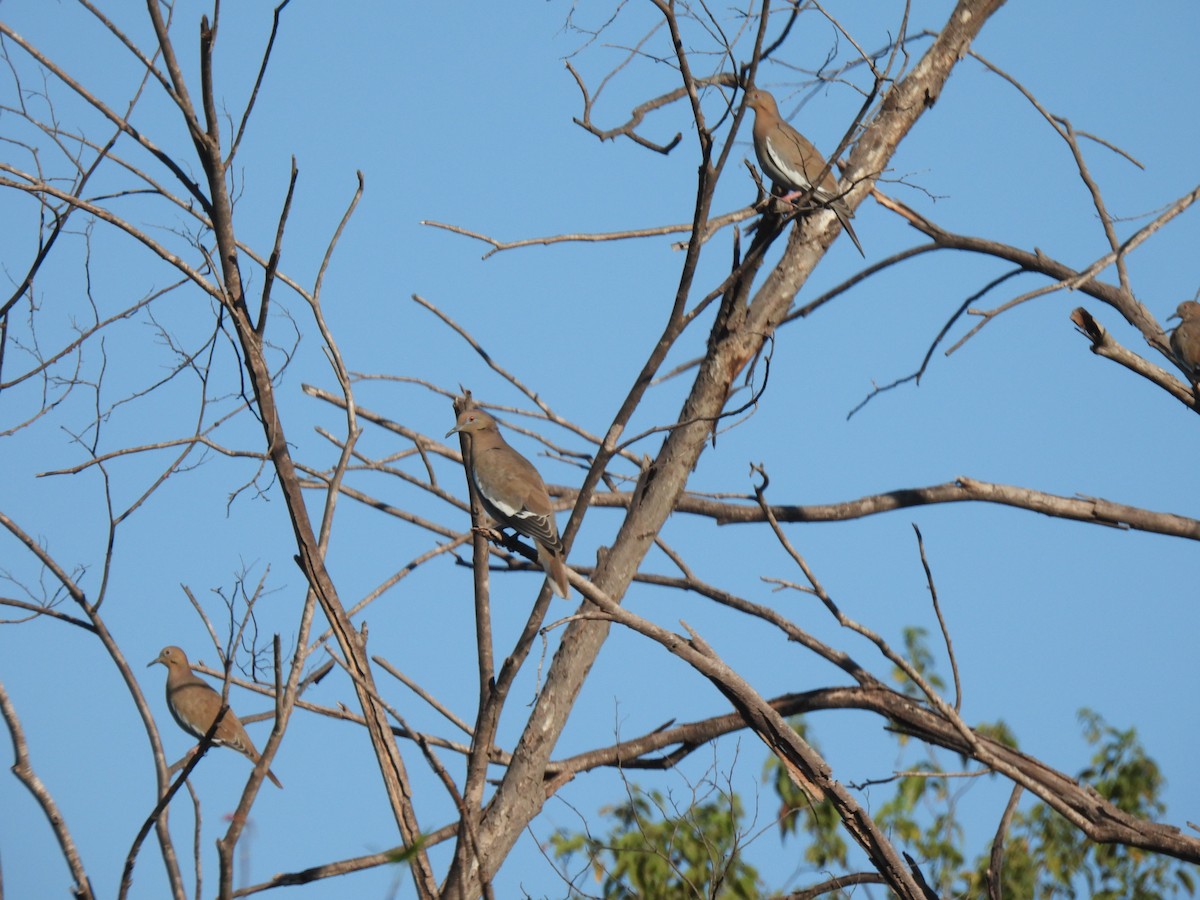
794,175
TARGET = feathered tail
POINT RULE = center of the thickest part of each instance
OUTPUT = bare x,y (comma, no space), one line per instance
556,569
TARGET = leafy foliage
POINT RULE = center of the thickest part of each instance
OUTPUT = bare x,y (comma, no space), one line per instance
1046,858
655,849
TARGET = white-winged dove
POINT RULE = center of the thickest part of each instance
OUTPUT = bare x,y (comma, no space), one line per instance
1185,339
512,491
194,705
791,161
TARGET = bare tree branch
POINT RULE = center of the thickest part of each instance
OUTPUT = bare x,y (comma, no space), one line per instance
23,769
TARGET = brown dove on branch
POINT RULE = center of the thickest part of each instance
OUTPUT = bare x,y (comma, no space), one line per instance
512,492
1185,339
194,705
791,161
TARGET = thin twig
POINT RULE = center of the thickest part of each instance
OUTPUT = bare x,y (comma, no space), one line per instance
937,608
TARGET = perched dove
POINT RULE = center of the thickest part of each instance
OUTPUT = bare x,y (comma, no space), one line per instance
791,161
512,491
194,705
1185,339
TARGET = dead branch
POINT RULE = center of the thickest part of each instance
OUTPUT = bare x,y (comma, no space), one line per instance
23,769
1093,510
1105,345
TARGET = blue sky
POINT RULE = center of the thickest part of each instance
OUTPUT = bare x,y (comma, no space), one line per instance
464,116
